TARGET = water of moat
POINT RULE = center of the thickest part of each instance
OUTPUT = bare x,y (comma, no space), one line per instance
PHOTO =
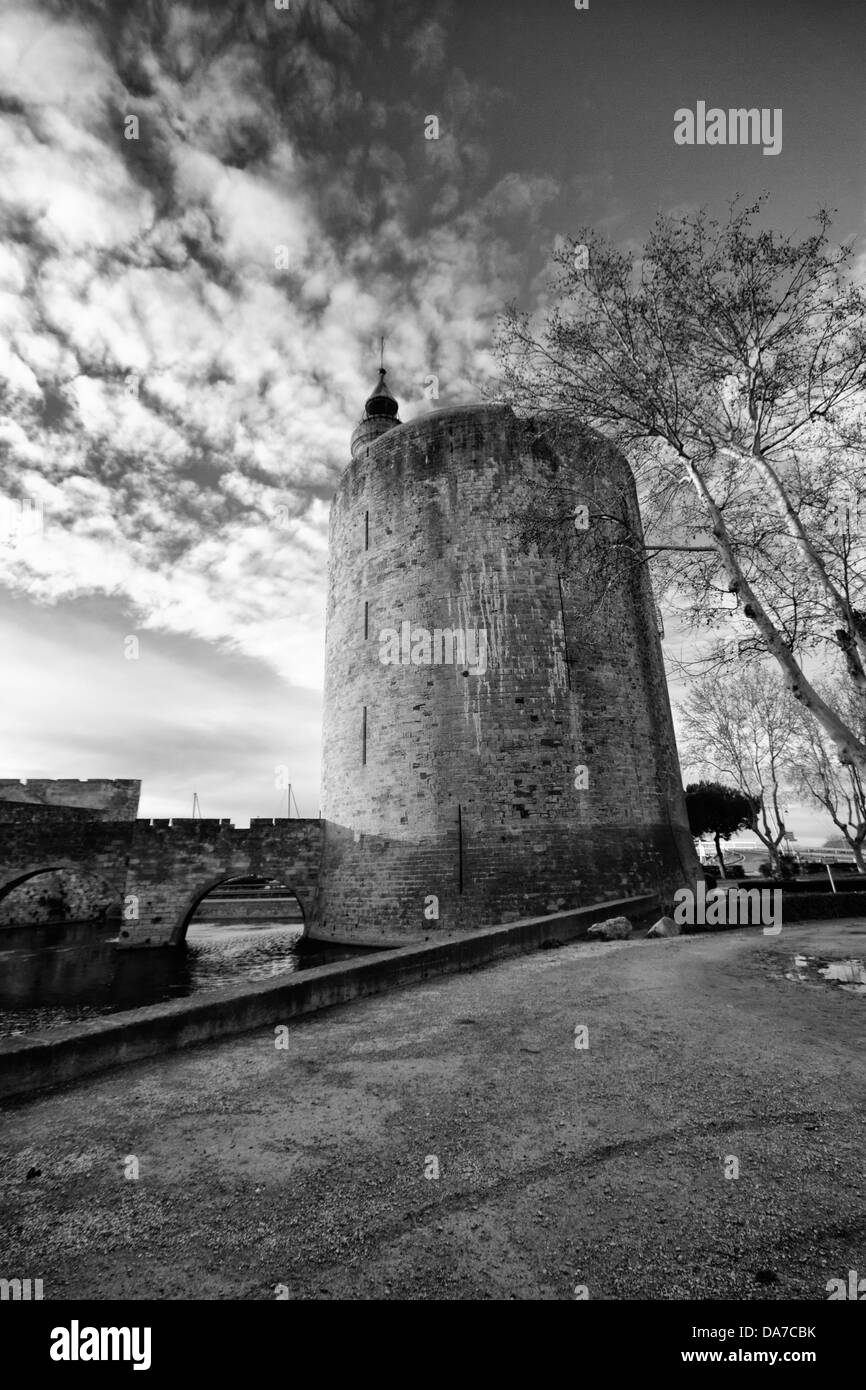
77,973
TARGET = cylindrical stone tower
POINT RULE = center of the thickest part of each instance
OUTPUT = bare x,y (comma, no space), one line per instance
494,746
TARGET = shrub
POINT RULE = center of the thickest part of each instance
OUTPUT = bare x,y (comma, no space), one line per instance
787,867
822,905
737,871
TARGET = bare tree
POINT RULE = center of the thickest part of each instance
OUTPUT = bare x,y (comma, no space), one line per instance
816,774
742,726
730,365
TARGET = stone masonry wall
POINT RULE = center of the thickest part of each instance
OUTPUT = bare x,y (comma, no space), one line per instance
114,799
422,530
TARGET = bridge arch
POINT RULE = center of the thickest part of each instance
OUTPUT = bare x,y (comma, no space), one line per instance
51,866
179,930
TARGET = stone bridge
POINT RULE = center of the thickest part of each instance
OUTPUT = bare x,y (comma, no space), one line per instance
174,864
157,871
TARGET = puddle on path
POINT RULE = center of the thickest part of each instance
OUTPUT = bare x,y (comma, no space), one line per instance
849,975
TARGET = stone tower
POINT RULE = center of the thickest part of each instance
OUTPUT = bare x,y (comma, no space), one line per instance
493,747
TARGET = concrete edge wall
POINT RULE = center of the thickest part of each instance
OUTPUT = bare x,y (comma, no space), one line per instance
56,1057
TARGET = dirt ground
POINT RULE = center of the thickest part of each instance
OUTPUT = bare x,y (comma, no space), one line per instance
558,1166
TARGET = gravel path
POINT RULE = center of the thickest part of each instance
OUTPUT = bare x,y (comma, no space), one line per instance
558,1166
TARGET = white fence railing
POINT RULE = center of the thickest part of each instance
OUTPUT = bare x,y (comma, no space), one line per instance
825,856
707,855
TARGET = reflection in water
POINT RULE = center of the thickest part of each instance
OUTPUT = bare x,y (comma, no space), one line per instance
45,984
849,975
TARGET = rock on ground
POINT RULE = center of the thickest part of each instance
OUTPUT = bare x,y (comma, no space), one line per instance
665,926
614,929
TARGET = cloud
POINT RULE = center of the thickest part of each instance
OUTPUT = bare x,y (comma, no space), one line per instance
189,317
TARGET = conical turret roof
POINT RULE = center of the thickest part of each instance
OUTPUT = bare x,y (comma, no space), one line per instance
381,401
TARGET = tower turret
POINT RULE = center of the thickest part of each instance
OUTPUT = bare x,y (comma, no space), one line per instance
380,414
498,740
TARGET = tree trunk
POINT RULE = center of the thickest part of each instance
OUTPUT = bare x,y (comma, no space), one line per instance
855,649
721,858
852,749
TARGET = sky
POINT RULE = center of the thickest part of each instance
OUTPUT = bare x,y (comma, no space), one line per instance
208,215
